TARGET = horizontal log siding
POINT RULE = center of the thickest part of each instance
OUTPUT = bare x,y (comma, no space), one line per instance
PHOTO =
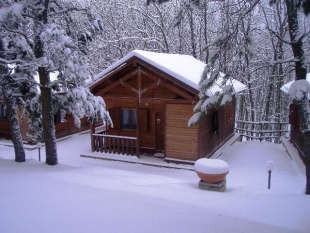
4,127
181,140
68,127
163,93
121,89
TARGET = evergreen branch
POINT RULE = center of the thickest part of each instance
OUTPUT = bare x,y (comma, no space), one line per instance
20,33
7,62
35,83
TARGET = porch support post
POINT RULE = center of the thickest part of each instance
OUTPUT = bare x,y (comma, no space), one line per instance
139,84
92,139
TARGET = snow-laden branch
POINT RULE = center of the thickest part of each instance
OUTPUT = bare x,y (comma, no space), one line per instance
14,61
132,38
299,89
20,33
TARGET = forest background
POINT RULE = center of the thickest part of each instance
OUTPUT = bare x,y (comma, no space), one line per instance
262,45
258,56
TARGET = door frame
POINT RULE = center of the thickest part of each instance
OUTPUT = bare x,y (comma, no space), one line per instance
160,136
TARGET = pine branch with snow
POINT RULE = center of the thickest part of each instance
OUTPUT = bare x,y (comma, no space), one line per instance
300,91
208,100
41,37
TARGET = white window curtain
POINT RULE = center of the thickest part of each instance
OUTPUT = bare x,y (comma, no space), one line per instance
2,111
125,119
134,119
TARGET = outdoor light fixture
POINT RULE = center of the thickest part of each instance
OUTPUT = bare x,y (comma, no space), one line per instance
39,145
269,169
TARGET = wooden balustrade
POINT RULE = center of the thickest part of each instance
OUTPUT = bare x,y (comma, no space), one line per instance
115,144
269,131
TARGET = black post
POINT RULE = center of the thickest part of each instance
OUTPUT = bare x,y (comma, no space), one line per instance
269,179
39,153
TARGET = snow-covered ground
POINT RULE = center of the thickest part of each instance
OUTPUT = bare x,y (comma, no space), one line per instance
88,195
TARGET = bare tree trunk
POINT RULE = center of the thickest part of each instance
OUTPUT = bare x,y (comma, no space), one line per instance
191,25
48,118
46,97
205,30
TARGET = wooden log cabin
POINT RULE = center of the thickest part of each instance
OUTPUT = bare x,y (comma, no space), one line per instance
295,131
150,97
64,125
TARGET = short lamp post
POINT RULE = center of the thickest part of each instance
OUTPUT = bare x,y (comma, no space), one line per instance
39,145
269,169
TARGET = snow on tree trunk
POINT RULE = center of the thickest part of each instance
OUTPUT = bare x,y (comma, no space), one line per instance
14,127
48,120
12,116
46,93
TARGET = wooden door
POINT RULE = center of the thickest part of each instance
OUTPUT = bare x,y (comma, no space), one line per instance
159,131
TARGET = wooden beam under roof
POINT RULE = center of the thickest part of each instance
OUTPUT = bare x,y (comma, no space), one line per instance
172,88
115,84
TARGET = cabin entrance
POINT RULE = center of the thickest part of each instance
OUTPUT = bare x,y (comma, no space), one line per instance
159,131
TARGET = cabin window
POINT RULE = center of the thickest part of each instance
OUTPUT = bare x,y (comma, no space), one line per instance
63,117
2,111
129,119
60,117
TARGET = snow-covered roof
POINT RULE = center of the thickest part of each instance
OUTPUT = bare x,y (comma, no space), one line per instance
185,68
285,88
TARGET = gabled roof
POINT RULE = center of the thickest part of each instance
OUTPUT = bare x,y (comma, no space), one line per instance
185,68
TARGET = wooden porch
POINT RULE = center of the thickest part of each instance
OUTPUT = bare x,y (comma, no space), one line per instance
102,142
269,131
115,144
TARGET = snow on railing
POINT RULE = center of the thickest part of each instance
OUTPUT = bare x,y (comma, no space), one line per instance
115,144
264,130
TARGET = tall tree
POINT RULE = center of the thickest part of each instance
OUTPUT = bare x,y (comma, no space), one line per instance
299,90
8,89
45,30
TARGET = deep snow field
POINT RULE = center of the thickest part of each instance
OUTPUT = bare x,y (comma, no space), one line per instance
83,195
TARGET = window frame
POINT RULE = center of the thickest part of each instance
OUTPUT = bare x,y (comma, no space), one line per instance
3,113
131,119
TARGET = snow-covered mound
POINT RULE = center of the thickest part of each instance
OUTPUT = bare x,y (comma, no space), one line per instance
211,166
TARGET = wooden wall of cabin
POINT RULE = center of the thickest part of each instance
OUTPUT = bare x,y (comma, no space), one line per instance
23,123
67,127
295,132
151,110
147,120
215,128
4,128
62,128
181,140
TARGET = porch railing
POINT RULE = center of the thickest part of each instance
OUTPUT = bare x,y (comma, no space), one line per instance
115,144
269,131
